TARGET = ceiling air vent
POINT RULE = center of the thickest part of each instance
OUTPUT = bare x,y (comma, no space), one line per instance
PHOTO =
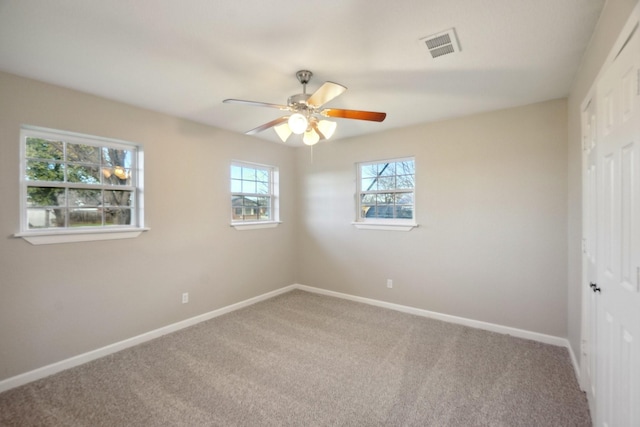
440,44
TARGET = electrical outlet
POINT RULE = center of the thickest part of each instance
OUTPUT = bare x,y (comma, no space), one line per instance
389,283
185,297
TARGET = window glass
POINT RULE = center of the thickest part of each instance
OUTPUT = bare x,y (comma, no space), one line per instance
73,180
253,193
386,190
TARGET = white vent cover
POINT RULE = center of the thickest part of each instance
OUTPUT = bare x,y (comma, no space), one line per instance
440,44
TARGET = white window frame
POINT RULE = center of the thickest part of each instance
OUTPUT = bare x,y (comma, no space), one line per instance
274,191
389,224
81,234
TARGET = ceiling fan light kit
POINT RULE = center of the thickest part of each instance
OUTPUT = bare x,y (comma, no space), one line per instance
327,128
310,137
305,110
298,123
283,131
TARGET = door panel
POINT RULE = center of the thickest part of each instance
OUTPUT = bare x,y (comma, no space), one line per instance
626,386
605,373
607,224
628,182
617,294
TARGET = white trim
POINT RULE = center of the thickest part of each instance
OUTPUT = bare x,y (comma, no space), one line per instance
241,226
574,362
49,238
80,359
273,195
520,333
395,224
71,234
629,26
386,227
77,137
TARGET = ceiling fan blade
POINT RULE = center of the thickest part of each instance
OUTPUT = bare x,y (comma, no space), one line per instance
266,126
326,93
255,104
354,114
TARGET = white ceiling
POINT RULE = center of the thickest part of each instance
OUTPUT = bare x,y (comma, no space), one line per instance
183,57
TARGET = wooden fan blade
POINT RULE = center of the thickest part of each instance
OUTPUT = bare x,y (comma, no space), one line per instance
326,93
255,104
354,114
266,126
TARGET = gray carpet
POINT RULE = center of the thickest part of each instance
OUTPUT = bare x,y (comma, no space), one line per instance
302,359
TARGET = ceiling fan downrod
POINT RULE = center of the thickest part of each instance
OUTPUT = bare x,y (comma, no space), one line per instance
303,77
299,102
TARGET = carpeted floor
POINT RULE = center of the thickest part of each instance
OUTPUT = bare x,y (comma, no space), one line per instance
302,359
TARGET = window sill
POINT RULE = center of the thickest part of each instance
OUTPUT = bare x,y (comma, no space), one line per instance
50,237
384,226
241,226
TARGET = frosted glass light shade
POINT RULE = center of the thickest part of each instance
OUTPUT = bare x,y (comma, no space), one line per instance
283,131
327,128
310,137
298,123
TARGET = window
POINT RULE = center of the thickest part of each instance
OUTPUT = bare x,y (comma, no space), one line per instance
253,194
386,191
78,184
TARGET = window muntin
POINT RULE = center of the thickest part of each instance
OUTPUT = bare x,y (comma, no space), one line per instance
74,182
386,191
253,193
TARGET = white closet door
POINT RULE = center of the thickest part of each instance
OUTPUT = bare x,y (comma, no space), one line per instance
590,233
617,382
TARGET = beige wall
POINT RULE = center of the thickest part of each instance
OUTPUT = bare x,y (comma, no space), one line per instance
491,204
57,301
491,243
612,19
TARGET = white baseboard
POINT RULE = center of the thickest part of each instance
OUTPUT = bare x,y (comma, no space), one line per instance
576,365
80,359
520,333
54,368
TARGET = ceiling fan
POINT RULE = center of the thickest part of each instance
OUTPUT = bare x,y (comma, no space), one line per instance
306,113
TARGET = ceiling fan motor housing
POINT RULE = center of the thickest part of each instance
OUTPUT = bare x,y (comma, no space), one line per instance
298,101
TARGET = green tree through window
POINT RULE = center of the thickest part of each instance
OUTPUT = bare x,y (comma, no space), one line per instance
78,181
